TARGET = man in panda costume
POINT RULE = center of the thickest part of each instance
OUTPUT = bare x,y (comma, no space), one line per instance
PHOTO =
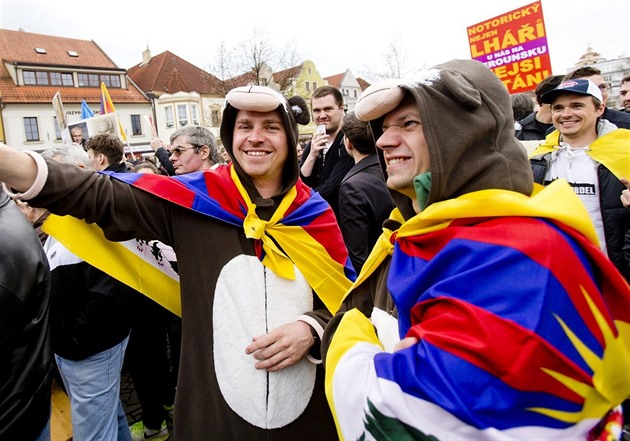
261,262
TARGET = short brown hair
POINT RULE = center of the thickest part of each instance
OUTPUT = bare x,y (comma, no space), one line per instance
323,91
359,134
581,72
108,145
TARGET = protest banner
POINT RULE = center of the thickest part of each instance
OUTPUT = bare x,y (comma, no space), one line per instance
514,46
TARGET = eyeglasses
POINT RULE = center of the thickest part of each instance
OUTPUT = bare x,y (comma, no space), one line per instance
177,151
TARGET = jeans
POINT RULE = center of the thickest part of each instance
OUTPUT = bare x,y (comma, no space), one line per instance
93,386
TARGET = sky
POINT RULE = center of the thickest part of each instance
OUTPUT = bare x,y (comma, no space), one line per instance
336,35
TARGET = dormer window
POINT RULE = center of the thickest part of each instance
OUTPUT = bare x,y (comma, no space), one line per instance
40,50
73,53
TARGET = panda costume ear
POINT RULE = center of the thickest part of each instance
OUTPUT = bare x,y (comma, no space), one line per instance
300,110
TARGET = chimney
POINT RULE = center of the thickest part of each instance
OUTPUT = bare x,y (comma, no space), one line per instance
146,56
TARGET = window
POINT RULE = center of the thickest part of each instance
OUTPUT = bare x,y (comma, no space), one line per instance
115,79
73,53
29,78
136,125
31,129
57,131
355,93
110,80
314,85
88,80
43,78
182,115
61,79
170,123
306,86
193,114
215,119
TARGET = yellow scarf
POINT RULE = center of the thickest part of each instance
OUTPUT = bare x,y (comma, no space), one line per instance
612,150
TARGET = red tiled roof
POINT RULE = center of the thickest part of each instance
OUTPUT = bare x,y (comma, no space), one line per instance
19,47
335,80
363,84
169,73
284,77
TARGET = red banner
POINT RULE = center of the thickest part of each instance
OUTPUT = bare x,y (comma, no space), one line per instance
514,46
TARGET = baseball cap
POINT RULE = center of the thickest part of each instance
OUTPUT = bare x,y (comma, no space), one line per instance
578,85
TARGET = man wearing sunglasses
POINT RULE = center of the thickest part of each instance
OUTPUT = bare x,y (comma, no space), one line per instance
261,260
193,149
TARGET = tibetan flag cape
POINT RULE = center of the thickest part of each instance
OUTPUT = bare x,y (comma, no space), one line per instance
523,326
302,230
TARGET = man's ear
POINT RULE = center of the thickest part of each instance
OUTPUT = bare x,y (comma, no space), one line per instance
205,152
601,109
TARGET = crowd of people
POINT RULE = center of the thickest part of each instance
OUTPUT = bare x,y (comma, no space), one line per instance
410,272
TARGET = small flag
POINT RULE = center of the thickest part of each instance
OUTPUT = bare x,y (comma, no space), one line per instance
86,112
107,106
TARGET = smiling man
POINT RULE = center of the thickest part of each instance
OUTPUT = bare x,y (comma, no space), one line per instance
592,155
261,261
493,284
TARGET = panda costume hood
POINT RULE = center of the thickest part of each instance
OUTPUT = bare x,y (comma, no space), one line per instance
468,128
293,111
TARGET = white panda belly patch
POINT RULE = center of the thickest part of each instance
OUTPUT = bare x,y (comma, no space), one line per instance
251,300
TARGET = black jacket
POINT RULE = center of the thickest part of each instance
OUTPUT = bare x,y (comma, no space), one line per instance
615,217
25,352
327,174
617,117
532,129
364,203
91,311
163,155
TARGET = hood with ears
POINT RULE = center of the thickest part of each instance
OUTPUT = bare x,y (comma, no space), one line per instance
466,115
293,111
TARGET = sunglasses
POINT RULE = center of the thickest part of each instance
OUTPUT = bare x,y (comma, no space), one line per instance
177,151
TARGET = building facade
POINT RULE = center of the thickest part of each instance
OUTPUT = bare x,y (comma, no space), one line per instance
37,69
612,70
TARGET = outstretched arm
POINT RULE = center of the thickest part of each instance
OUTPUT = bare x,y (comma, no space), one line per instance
18,170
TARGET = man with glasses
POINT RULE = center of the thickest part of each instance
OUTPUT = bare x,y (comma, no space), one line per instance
618,118
193,149
262,266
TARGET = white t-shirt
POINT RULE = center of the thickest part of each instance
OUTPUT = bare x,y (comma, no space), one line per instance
574,165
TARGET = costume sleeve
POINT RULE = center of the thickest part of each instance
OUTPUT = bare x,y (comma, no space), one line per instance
121,211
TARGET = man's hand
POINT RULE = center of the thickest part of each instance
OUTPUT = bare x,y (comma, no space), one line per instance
405,343
625,195
318,143
156,143
282,347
